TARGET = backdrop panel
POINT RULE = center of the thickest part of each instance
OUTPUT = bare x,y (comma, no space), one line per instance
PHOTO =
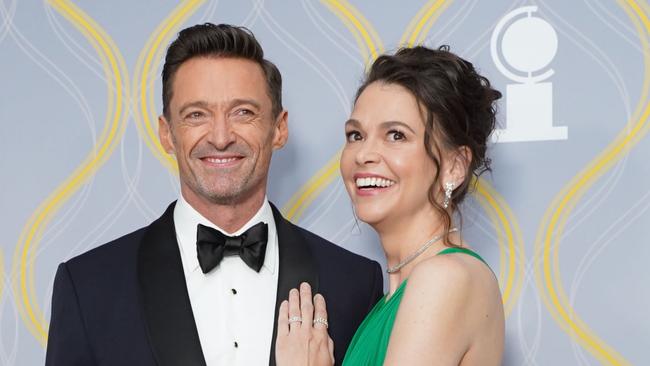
563,218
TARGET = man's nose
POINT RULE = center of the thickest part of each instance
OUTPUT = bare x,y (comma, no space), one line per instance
221,133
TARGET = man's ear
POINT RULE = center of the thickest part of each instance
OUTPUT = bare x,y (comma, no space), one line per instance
456,165
281,130
165,135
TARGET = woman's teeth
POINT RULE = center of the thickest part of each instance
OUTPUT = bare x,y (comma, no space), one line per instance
373,182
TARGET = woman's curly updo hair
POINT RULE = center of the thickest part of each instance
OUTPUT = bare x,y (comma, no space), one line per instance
458,106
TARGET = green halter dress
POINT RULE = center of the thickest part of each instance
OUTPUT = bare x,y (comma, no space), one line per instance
370,343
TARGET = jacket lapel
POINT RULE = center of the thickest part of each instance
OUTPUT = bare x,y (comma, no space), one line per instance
296,265
163,294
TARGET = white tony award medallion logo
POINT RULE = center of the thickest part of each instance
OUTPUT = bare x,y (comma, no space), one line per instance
528,44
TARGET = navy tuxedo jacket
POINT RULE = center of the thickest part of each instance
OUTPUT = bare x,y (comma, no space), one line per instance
126,302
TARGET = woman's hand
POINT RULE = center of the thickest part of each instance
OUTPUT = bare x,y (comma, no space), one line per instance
302,338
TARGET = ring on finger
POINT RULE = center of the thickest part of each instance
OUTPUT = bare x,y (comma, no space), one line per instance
295,319
321,321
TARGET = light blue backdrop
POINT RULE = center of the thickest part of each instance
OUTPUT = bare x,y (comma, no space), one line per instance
563,219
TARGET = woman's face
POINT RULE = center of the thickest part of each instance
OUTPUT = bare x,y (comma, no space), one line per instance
384,165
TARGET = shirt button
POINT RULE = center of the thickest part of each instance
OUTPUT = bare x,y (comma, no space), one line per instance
236,345
234,292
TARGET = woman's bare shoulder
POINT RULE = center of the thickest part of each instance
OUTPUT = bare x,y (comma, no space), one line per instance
458,269
451,281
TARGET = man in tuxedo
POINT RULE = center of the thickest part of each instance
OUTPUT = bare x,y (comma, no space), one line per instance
202,284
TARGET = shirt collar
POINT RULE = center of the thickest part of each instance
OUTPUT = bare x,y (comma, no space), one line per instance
186,219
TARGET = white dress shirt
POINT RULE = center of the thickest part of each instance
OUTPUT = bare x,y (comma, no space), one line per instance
234,306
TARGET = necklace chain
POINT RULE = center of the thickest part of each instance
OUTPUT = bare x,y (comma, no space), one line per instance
424,247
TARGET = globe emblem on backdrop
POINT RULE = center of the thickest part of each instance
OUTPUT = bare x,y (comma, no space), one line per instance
528,45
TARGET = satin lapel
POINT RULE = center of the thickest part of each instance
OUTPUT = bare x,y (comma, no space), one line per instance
296,265
164,298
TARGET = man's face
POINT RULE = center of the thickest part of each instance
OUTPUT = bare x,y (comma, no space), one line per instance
221,130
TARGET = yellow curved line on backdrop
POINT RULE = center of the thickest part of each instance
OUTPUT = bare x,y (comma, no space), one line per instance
505,222
367,26
367,37
365,53
420,25
426,24
496,224
414,20
143,80
558,212
300,201
114,68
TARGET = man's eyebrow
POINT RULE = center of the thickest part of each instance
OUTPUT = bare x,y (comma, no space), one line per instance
239,101
198,104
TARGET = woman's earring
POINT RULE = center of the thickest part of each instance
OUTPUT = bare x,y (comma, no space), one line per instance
449,188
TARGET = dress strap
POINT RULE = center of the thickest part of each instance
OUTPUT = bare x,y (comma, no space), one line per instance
462,250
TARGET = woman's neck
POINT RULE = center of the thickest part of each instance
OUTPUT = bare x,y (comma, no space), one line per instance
402,238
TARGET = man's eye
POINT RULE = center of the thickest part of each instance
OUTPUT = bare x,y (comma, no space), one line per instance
195,115
395,135
244,112
353,136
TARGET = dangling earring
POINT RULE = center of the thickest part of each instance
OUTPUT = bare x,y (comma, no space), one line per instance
449,188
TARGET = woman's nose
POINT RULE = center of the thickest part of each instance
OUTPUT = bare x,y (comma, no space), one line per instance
368,153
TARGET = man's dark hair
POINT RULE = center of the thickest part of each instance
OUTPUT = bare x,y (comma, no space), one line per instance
223,40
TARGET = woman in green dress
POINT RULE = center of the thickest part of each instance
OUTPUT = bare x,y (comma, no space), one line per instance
415,142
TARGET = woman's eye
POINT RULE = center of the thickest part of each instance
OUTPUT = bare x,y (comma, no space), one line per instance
353,136
395,135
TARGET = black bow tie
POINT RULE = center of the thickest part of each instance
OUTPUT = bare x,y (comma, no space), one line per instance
212,245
